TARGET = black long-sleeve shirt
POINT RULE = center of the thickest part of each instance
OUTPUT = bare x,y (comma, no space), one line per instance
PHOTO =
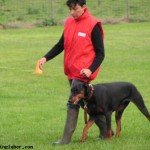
97,41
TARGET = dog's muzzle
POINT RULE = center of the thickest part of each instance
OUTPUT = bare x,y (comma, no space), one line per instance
75,100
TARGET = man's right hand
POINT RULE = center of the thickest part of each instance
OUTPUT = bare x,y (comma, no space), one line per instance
41,62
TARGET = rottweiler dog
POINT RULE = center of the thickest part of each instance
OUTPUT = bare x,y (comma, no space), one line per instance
104,99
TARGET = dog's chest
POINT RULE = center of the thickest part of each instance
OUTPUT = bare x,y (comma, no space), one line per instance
94,109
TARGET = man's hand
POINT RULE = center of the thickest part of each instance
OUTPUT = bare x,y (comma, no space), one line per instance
86,72
41,62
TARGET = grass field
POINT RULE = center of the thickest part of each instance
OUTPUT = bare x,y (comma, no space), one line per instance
33,107
40,11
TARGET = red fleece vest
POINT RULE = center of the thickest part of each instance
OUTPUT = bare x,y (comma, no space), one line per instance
78,48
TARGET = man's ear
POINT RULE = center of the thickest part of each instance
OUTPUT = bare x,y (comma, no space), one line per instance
84,7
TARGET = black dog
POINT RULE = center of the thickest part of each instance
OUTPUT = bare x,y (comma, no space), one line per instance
106,98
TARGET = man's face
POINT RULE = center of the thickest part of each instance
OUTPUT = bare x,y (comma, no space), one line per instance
76,10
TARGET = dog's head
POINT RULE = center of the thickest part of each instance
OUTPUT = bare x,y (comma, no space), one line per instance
79,92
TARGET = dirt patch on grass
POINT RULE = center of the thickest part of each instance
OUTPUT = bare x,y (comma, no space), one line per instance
31,25
16,25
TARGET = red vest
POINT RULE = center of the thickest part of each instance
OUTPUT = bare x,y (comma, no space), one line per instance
78,48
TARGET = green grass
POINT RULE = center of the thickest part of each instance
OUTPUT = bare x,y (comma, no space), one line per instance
40,10
33,107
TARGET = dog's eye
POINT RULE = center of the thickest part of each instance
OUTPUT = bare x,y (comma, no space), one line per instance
80,98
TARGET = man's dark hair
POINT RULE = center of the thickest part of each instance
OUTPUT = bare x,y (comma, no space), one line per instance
69,3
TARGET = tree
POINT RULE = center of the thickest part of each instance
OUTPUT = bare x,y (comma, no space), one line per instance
52,9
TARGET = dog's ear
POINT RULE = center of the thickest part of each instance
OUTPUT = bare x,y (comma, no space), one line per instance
87,90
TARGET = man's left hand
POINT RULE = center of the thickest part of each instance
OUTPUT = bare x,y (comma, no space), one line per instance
86,72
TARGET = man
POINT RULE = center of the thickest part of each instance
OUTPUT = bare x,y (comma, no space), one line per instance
82,42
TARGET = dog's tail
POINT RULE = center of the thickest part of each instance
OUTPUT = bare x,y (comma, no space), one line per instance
137,99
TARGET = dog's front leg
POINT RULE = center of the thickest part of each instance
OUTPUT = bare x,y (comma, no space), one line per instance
85,130
108,123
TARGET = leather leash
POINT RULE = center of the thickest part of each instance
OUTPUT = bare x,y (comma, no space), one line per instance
85,105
